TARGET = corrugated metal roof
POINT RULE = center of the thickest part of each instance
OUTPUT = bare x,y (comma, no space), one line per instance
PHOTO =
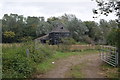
43,37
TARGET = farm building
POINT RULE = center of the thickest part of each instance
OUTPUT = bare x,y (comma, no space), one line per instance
55,36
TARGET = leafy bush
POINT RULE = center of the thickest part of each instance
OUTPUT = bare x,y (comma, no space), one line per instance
8,36
18,64
15,62
17,67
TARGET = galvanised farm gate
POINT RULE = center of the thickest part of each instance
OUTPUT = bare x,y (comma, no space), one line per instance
109,55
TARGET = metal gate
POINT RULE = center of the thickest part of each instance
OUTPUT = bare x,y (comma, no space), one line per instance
109,55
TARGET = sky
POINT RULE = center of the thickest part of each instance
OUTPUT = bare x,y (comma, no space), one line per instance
82,9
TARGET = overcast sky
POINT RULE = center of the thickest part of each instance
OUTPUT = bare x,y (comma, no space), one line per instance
48,8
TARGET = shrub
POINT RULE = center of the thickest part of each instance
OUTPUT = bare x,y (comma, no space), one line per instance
16,63
8,36
17,67
40,52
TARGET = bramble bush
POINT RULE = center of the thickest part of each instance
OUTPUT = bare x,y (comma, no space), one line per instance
16,63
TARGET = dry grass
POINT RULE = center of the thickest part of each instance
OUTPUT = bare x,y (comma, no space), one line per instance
11,44
82,47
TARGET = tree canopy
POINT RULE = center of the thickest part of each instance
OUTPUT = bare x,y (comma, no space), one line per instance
20,28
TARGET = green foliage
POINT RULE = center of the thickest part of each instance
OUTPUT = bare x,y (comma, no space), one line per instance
20,25
43,28
9,34
118,37
94,30
18,64
75,26
107,7
40,52
15,62
111,38
27,28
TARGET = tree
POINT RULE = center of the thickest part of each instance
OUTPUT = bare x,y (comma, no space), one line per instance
75,26
105,29
43,28
31,26
15,23
107,7
95,32
113,24
111,38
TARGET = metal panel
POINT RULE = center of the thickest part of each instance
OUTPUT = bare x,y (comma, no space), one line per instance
109,55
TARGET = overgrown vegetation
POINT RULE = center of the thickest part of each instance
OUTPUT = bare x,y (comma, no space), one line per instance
20,63
25,59
17,28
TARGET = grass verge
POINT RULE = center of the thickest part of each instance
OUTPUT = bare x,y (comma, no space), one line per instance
110,71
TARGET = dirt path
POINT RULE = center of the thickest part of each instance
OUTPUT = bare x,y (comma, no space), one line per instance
91,69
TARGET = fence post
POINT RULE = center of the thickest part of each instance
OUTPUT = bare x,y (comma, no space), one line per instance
27,52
